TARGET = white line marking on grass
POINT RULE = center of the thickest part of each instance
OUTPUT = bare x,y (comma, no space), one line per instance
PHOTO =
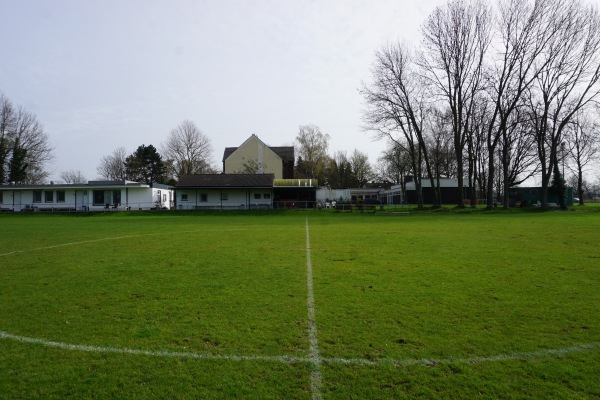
116,238
173,354
291,359
315,359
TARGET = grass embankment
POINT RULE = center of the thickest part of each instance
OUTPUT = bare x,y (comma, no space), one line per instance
488,305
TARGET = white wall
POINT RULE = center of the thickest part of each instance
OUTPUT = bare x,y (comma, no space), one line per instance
236,199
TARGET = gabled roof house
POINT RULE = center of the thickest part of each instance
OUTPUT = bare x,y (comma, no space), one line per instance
255,157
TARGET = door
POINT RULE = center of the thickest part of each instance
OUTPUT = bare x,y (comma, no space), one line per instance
79,200
17,201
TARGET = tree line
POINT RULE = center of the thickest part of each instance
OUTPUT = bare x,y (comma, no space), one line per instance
186,151
336,171
502,91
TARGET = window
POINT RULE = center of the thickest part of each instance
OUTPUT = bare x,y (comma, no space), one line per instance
184,197
99,198
49,197
37,196
267,196
1,197
164,198
103,197
116,196
256,196
224,196
204,198
60,196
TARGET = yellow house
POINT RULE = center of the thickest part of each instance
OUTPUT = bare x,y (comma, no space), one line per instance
255,157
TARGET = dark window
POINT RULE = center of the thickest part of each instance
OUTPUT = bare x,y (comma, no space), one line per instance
60,196
267,195
49,197
256,196
104,197
37,196
184,197
99,198
1,197
116,197
204,198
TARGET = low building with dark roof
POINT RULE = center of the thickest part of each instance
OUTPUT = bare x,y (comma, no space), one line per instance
91,196
225,191
244,192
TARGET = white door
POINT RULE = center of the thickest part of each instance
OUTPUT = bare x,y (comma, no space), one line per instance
17,201
79,200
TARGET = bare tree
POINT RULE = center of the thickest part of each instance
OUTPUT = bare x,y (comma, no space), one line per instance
396,101
522,31
361,168
188,149
456,38
22,126
583,146
567,83
311,148
394,165
112,167
7,120
72,176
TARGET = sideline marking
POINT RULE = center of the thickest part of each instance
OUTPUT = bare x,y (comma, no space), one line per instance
315,359
308,360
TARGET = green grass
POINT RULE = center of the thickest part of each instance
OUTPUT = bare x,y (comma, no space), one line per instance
450,304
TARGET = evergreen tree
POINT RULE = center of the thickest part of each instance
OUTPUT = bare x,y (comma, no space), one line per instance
559,186
146,165
18,166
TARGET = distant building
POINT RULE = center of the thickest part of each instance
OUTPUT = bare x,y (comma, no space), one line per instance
255,157
448,190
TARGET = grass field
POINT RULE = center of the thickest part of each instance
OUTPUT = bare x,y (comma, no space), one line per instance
300,305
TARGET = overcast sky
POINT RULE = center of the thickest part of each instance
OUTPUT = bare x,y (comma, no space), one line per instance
105,74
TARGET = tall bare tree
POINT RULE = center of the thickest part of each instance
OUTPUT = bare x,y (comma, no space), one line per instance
583,147
567,83
188,149
523,30
456,38
18,124
7,120
396,106
112,166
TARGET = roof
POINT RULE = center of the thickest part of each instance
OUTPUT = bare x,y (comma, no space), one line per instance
285,152
89,185
226,181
